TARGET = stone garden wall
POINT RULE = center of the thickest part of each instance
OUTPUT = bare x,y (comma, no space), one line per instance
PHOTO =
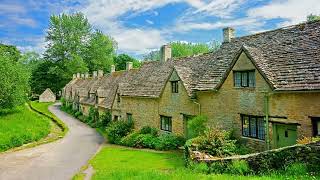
268,160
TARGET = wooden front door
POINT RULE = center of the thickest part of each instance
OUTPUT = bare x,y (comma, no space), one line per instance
284,135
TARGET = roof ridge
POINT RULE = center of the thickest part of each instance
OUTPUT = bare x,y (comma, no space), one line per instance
278,29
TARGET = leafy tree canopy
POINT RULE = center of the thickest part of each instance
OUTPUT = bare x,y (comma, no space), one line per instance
14,79
10,51
312,18
100,52
122,59
181,49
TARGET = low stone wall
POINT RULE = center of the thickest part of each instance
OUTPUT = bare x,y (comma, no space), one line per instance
275,159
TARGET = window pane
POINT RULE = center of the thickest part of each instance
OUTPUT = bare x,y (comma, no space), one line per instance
237,79
245,126
252,79
253,127
244,79
261,128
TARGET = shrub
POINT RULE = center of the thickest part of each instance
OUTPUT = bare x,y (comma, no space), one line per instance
105,119
169,142
77,114
197,126
215,142
149,130
240,167
146,141
130,139
199,167
118,130
296,169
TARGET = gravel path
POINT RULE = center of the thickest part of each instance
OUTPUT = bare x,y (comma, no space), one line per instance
57,160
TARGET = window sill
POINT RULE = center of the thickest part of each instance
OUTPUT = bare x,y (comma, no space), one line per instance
255,139
165,131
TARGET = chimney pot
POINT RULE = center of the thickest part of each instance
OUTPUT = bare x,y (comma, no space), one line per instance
129,66
228,34
82,75
94,74
100,73
113,68
74,76
165,53
78,75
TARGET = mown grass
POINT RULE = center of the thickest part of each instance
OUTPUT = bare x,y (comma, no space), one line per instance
115,162
20,126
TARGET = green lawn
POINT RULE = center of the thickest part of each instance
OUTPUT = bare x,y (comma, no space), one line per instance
20,126
42,107
115,162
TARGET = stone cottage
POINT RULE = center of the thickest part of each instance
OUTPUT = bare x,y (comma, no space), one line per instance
264,87
47,96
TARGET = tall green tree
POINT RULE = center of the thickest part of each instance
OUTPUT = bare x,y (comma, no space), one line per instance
43,77
10,51
31,60
100,52
122,59
14,80
67,35
312,18
181,49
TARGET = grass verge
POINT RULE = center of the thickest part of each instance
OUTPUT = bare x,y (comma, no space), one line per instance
20,126
115,162
25,122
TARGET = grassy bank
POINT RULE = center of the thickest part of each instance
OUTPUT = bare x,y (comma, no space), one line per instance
115,162
20,126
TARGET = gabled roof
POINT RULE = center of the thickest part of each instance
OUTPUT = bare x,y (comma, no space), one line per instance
110,84
288,57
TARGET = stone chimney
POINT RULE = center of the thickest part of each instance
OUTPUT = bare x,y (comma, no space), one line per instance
94,74
82,76
78,75
165,53
74,76
228,34
129,66
86,75
113,68
100,73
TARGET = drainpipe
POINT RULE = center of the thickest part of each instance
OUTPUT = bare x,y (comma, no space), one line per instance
266,108
199,106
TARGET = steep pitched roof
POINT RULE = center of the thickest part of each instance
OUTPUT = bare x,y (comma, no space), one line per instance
288,57
110,83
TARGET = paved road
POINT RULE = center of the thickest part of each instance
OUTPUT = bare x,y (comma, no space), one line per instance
57,160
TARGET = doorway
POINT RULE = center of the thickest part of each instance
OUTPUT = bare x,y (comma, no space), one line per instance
186,118
284,134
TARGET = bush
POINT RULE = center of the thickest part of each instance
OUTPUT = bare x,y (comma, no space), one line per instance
118,130
239,167
149,130
215,142
130,140
296,169
197,126
199,167
169,142
77,114
105,119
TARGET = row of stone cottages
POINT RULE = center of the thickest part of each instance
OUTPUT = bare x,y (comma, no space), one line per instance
266,82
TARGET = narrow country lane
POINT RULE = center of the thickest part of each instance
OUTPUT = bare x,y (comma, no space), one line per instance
57,160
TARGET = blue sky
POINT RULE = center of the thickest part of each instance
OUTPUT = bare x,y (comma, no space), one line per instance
140,26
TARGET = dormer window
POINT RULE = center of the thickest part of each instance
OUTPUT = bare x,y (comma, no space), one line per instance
244,78
175,86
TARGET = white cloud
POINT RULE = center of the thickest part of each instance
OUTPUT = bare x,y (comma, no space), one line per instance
149,22
184,27
292,11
